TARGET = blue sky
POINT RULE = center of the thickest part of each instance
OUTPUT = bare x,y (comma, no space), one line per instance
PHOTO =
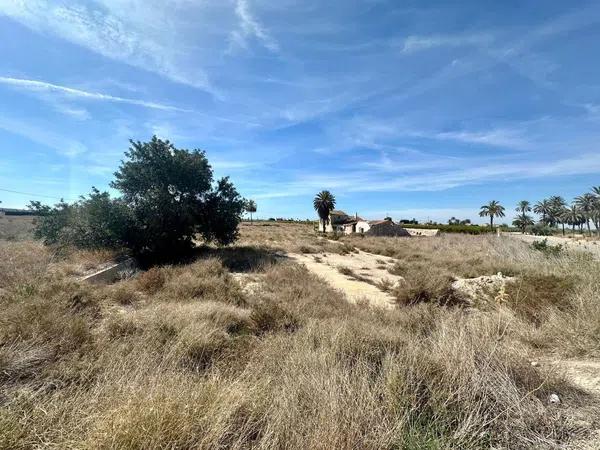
409,108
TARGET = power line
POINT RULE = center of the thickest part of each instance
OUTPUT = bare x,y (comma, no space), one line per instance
30,194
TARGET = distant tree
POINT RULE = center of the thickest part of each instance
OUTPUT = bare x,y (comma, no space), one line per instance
324,203
557,207
523,221
572,216
523,207
251,208
596,212
491,210
453,221
544,209
587,203
465,222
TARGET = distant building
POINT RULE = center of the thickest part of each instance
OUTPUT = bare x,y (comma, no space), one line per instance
340,222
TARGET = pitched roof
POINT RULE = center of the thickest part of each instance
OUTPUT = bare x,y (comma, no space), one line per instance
338,212
377,222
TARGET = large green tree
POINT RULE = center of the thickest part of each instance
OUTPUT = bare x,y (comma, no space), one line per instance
491,210
324,203
168,197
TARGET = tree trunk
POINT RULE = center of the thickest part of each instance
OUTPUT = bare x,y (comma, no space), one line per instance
588,227
563,227
573,229
492,222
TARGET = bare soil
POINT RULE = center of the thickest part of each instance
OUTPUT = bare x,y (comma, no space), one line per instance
361,276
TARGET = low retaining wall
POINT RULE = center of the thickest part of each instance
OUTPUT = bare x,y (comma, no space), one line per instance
111,273
422,231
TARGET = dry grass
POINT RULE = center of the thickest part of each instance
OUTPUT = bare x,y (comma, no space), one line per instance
16,228
183,357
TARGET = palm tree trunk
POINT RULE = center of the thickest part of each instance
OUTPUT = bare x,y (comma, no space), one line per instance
563,227
588,227
573,229
492,222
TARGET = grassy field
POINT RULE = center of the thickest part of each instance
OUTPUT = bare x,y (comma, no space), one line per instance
14,228
242,348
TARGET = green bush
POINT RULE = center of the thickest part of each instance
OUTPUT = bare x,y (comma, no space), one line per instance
540,229
93,222
548,249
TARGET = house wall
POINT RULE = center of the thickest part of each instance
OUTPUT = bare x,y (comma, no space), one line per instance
349,228
362,226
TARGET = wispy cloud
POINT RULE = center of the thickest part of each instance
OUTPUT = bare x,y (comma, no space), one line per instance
64,146
114,32
42,86
509,138
249,27
413,44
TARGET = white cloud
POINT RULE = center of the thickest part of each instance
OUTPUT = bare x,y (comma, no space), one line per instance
42,86
413,44
112,31
249,27
509,138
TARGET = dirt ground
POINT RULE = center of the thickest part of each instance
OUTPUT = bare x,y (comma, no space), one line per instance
571,244
361,276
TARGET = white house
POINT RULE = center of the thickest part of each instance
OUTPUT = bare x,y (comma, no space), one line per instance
340,222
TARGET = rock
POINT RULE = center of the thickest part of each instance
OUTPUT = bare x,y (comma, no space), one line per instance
534,363
553,399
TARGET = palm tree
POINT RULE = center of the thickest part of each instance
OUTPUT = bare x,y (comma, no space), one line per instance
251,208
492,209
324,203
557,207
587,204
572,216
544,209
596,218
523,221
523,207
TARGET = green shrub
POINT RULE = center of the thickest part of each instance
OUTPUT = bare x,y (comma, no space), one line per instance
540,230
547,249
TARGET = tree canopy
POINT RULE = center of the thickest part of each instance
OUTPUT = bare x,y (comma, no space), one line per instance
168,196
324,202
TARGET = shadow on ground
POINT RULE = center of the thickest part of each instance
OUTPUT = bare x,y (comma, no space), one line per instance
245,258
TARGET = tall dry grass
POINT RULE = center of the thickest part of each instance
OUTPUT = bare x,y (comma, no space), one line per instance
184,357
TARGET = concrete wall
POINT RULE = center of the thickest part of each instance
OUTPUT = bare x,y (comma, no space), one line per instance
422,232
110,273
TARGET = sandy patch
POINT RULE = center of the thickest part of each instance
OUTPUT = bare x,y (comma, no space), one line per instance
359,276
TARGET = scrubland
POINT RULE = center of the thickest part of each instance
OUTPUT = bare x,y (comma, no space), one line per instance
242,348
